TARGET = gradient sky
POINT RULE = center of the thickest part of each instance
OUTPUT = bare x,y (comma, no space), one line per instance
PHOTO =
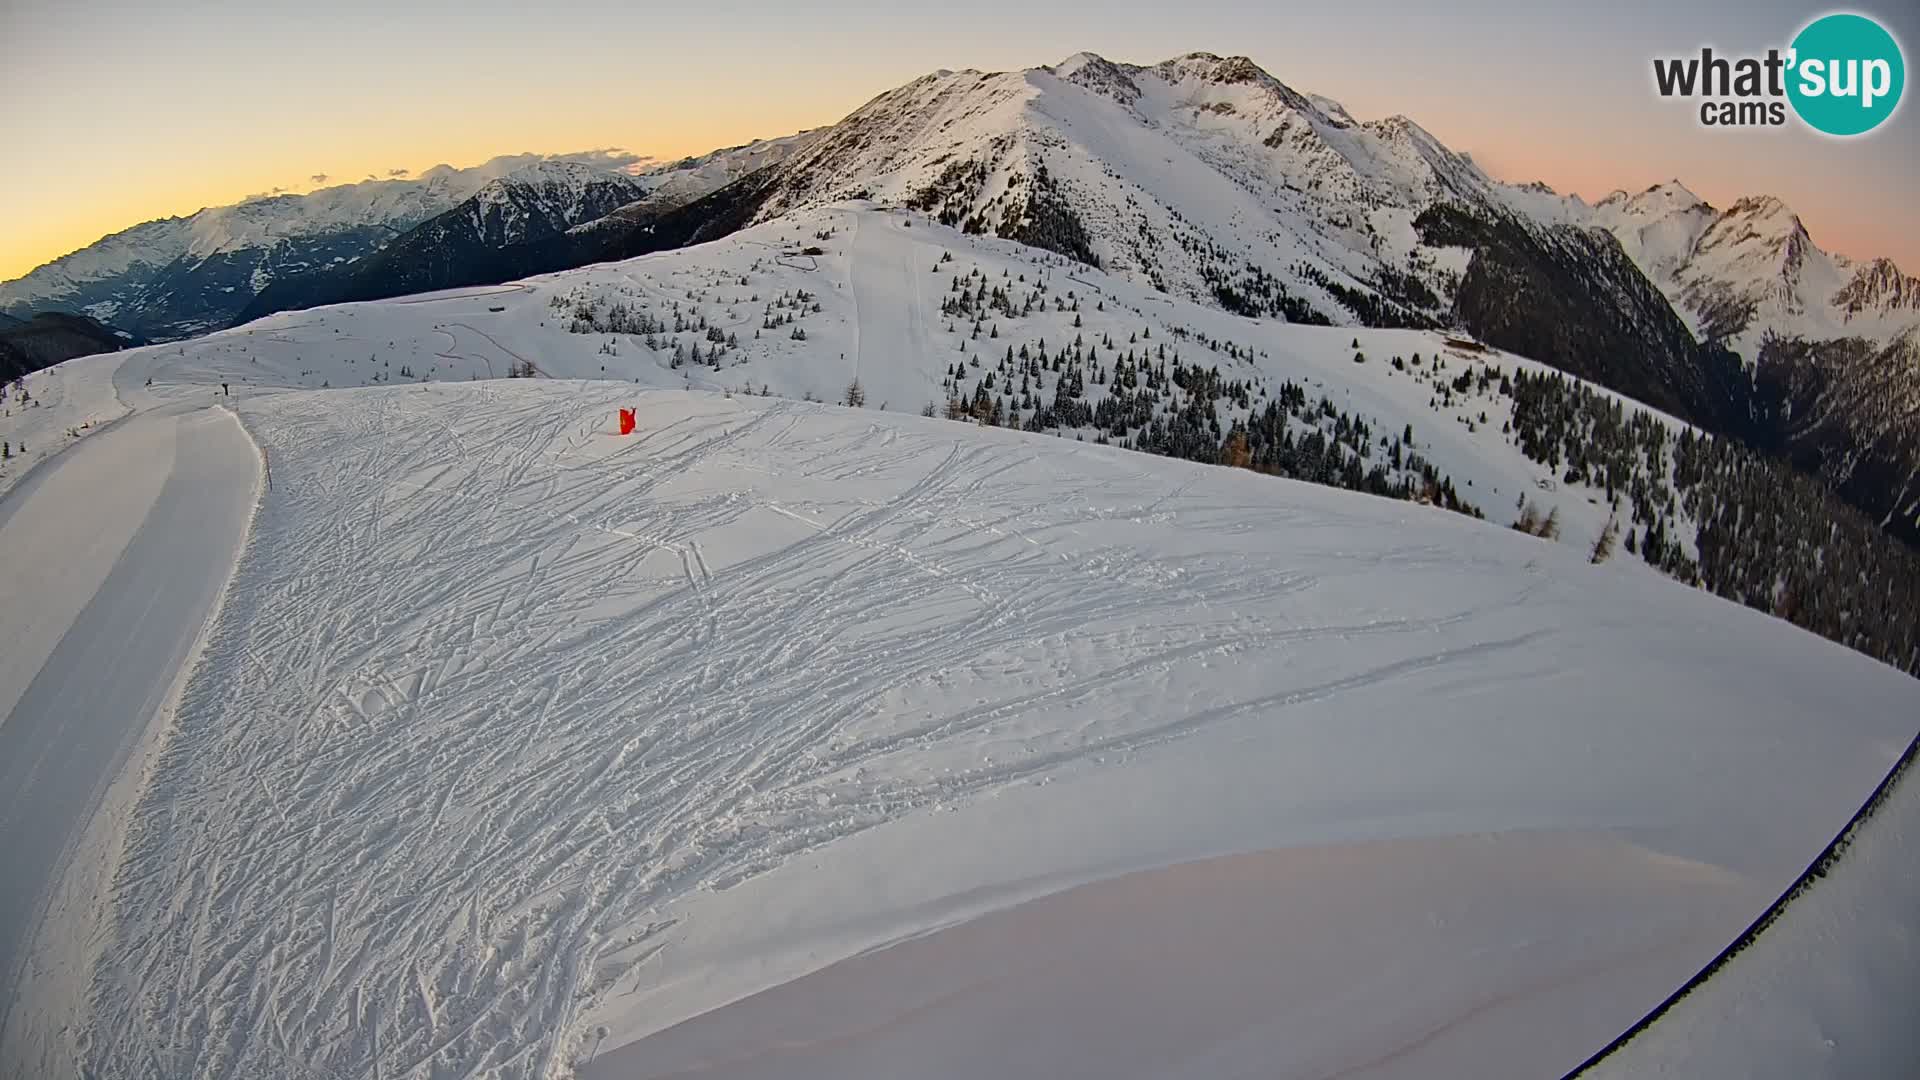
118,112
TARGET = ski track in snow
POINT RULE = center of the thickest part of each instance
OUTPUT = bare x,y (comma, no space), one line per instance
495,687
703,664
144,524
881,268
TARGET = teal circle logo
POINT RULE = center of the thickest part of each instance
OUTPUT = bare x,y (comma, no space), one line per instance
1846,74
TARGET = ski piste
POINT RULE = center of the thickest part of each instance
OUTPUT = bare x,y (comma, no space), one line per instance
757,679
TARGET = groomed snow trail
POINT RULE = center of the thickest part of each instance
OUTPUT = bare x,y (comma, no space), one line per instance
500,703
888,309
116,553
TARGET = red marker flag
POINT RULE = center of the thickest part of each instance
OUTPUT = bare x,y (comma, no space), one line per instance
626,421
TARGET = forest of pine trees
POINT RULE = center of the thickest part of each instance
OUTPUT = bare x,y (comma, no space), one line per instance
684,334
1715,514
1155,402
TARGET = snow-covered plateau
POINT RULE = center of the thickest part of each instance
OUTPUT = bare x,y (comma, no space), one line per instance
385,717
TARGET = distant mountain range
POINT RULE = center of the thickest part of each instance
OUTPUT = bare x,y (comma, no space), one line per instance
1204,177
179,277
550,215
1751,270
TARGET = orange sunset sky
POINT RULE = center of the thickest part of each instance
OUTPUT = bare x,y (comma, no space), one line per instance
122,112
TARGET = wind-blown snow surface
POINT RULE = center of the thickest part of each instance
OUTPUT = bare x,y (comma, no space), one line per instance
1829,990
511,728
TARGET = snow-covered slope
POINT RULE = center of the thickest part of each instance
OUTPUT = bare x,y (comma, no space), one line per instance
1204,176
511,730
1827,990
1210,180
1657,228
928,319
43,413
880,303
1207,179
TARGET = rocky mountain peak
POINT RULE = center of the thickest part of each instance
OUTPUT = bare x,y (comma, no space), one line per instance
1878,286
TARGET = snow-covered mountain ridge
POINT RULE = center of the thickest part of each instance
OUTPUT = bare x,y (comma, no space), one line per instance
177,277
547,216
181,276
1211,178
1204,175
1752,270
1833,344
1201,176
1208,179
676,183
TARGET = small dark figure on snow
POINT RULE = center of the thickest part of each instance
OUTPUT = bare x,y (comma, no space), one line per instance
224,390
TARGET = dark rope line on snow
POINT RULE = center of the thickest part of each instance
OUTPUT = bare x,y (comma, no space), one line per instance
1816,870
